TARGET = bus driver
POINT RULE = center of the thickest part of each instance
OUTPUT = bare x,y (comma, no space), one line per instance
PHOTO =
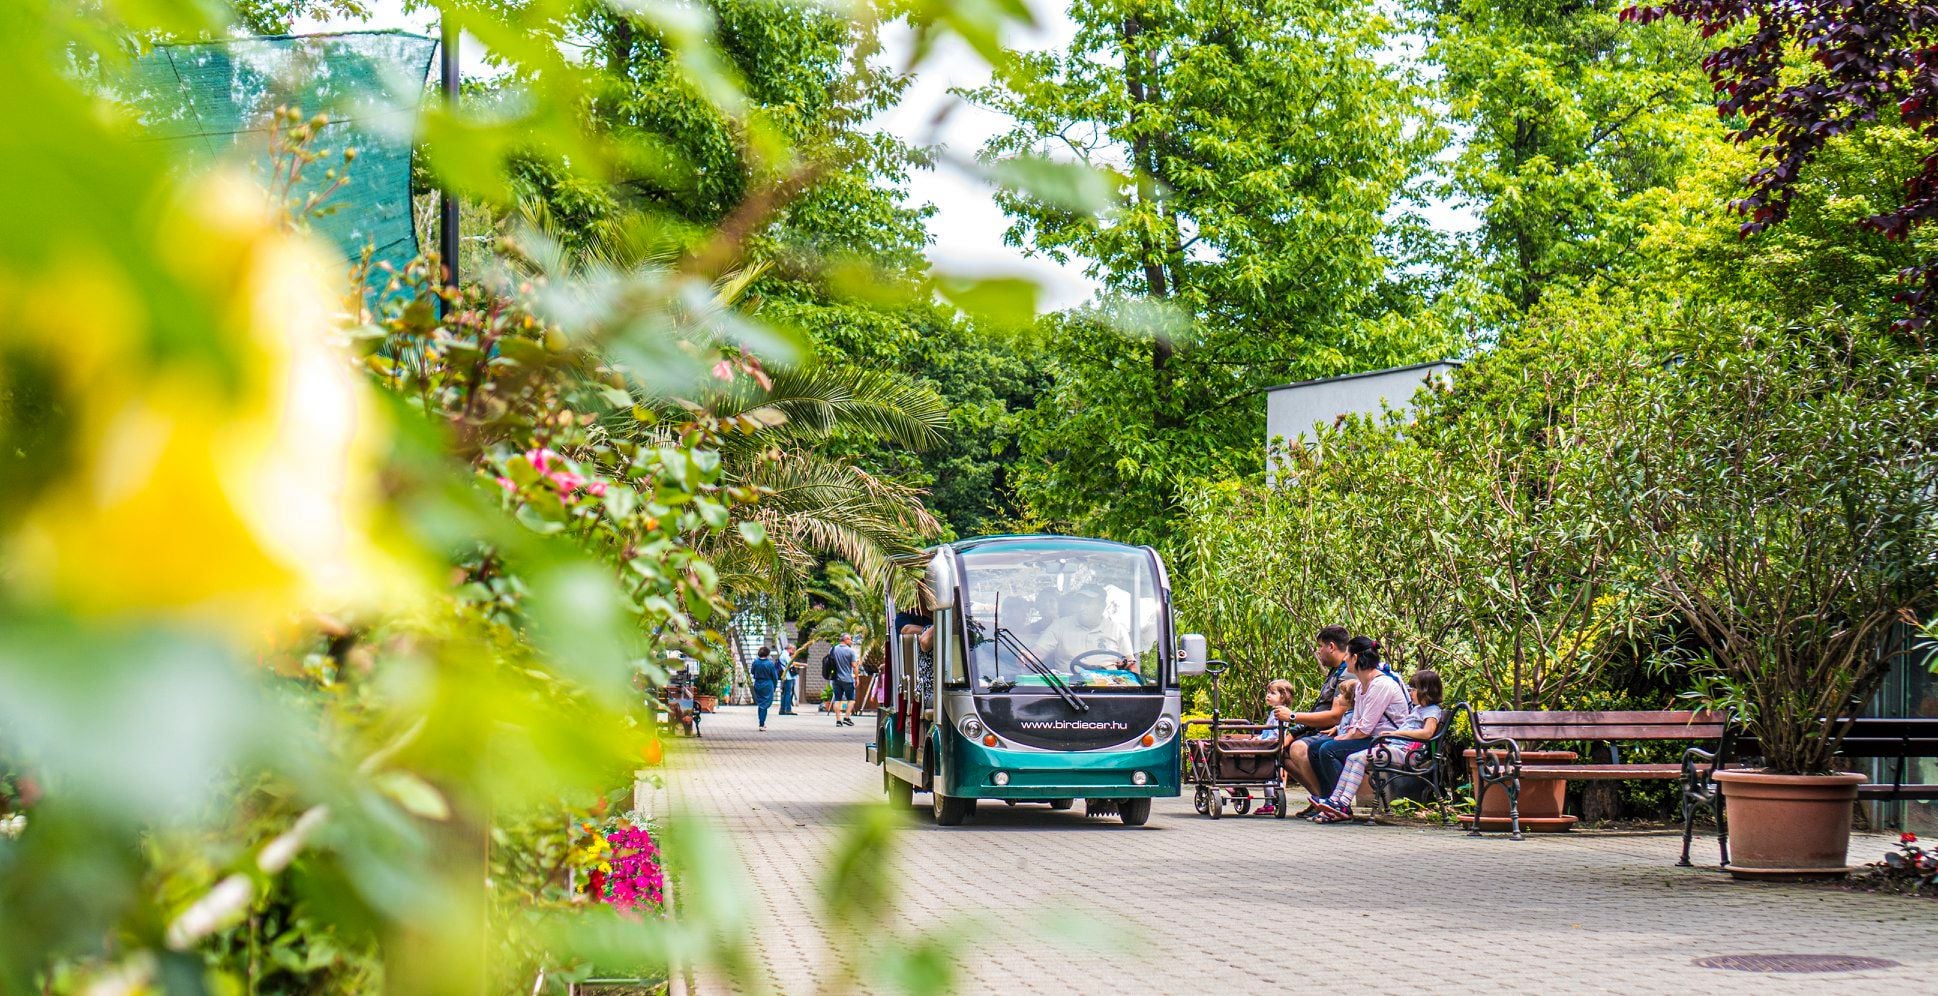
1081,628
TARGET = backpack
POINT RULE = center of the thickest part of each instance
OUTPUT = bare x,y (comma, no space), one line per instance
827,667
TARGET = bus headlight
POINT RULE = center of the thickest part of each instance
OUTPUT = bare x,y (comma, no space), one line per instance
1166,726
971,727
1139,778
1000,778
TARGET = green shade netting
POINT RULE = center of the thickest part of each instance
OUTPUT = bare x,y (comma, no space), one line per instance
209,100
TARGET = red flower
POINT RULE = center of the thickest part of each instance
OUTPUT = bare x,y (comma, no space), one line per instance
1907,837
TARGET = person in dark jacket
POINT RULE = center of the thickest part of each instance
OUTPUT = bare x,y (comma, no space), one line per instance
767,674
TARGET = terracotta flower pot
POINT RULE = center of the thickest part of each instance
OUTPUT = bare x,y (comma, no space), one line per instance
1788,826
1542,798
707,703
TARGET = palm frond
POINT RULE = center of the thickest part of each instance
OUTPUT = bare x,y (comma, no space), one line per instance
821,400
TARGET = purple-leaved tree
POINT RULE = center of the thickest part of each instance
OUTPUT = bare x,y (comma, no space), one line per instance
1866,59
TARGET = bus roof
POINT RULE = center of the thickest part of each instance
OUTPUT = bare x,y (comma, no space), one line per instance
1033,540
1020,540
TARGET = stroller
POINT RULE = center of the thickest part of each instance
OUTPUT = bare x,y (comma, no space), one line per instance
1228,763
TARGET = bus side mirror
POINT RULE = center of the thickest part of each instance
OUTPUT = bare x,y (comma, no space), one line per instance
1193,654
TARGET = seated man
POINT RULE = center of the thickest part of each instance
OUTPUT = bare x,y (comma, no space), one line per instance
1081,628
1329,646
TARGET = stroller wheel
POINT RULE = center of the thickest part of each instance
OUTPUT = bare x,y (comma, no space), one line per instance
1279,796
1202,800
1241,801
1217,804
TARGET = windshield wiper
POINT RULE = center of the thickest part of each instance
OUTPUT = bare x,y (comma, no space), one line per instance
1005,638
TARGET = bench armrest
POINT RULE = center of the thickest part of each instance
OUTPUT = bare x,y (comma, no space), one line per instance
1485,749
1693,759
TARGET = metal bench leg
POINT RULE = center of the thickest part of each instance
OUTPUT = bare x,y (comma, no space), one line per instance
1480,798
1688,826
1513,807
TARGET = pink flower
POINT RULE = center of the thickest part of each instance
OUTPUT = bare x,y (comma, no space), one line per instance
506,483
597,489
566,481
540,458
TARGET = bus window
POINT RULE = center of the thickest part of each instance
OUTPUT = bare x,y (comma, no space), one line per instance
1089,615
948,654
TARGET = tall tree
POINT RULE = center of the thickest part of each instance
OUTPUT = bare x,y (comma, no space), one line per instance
1260,148
1566,116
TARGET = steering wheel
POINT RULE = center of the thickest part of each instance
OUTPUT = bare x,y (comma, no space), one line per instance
1077,662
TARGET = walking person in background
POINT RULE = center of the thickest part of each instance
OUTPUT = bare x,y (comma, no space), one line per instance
844,658
788,672
765,673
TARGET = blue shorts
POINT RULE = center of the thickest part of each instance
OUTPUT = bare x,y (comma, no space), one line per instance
844,691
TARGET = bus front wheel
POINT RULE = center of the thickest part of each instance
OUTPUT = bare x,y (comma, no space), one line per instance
949,810
1062,804
1136,812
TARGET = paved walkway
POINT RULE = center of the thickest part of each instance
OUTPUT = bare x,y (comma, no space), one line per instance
1188,905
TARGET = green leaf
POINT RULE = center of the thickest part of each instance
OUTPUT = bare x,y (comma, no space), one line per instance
1001,301
417,796
1068,186
621,501
754,533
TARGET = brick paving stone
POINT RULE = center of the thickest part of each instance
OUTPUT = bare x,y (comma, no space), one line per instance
1186,904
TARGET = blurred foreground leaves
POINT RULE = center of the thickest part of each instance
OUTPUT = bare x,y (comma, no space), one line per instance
318,626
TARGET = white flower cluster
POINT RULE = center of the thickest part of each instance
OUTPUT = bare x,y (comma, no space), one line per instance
13,826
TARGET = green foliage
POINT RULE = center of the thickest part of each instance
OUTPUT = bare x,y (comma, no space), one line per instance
1783,489
1568,118
1255,155
1465,537
314,626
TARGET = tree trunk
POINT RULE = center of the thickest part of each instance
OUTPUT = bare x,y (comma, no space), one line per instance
1139,84
619,56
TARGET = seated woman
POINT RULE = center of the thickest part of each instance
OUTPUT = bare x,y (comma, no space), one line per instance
1414,731
1379,705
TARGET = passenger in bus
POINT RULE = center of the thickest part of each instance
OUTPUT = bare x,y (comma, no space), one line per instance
1028,616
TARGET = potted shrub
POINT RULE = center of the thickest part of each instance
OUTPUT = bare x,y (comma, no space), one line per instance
1786,489
706,690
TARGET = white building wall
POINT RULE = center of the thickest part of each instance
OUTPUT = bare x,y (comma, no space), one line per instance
1291,411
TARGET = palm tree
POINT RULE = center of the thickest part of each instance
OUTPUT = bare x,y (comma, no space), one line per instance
846,602
812,505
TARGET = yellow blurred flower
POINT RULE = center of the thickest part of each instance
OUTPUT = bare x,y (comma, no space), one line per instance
234,482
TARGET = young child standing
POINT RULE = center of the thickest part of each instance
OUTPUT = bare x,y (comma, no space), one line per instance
1419,726
1278,699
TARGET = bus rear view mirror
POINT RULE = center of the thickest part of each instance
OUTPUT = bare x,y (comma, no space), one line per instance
1193,654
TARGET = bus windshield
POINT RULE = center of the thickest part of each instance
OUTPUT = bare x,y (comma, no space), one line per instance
1083,615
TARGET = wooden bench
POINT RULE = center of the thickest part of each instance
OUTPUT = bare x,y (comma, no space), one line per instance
1899,740
1499,736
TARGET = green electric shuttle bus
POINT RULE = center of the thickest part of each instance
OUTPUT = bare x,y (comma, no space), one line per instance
1034,669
